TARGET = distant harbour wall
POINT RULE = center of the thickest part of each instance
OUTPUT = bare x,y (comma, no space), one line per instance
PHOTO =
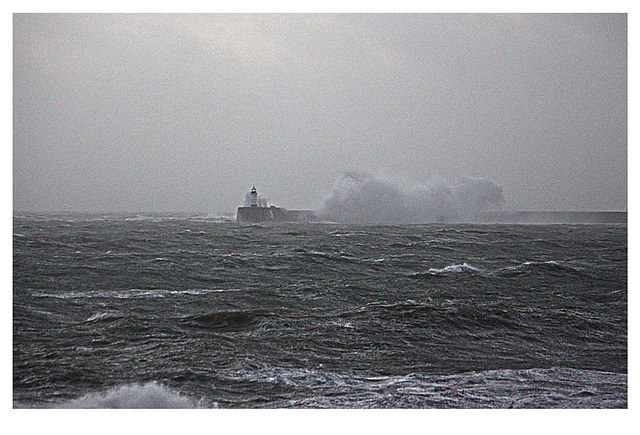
556,217
272,214
277,214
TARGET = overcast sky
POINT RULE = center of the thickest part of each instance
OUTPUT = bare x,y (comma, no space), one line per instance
187,112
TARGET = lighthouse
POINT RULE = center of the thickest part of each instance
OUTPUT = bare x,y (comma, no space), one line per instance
254,211
253,198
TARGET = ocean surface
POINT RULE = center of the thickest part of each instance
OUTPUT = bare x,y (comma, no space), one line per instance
183,311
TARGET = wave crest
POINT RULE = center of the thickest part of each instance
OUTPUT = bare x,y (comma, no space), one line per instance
147,396
454,268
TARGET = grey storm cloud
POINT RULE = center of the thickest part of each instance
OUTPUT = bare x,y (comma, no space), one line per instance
136,112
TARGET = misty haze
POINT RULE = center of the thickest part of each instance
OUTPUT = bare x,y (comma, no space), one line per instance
170,113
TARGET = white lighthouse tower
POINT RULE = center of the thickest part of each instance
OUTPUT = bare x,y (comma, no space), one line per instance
253,197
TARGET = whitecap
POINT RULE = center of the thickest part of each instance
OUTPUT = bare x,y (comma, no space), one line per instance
147,396
103,316
454,268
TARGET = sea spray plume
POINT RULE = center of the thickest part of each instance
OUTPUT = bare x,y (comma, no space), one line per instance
434,201
359,197
476,195
362,197
147,396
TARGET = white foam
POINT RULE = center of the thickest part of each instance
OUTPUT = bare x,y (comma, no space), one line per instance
527,264
147,396
103,316
132,293
455,268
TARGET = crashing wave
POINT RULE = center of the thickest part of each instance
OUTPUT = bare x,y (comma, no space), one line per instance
147,396
362,197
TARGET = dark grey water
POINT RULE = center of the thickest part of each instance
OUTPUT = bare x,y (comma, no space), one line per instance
186,311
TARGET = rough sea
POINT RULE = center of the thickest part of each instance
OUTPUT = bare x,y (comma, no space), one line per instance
184,311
